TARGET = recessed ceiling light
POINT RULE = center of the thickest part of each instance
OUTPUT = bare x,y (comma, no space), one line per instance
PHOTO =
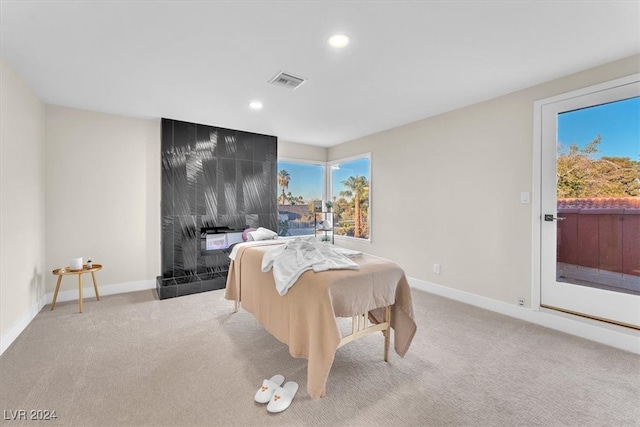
255,105
338,40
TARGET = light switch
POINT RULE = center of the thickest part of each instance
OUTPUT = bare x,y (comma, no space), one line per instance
524,197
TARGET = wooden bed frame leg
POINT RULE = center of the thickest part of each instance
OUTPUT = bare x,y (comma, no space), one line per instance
387,332
235,306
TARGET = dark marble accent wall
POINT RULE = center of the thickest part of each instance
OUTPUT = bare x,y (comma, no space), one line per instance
212,177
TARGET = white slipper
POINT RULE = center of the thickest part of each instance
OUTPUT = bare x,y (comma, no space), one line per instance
264,393
283,397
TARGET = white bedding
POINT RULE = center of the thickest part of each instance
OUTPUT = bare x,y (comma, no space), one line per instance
290,260
349,253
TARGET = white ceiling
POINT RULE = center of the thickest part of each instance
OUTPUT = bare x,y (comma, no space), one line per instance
204,62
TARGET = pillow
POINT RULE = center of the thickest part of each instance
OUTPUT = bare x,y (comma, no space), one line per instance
245,233
261,234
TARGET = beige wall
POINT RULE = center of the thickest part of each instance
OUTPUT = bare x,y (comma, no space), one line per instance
292,150
103,194
22,199
447,190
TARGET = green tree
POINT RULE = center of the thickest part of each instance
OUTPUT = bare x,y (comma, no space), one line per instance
623,176
358,188
283,181
579,174
294,200
341,212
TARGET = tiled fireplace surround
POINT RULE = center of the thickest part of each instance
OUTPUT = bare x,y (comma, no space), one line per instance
212,178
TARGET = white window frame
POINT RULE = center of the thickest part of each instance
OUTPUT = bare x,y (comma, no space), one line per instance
314,163
310,162
327,187
330,193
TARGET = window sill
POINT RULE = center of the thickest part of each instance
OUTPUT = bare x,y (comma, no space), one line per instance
352,239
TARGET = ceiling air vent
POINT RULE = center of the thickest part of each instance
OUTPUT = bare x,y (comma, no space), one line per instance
287,80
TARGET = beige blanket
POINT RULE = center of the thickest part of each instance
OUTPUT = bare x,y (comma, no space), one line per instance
305,318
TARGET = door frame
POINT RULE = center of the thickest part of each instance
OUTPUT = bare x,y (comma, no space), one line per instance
536,192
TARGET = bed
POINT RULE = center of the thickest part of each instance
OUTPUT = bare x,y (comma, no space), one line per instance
376,296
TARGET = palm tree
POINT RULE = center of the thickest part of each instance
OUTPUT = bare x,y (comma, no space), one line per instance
283,181
358,188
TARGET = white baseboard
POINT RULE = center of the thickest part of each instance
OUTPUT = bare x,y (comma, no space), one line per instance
70,295
612,335
15,331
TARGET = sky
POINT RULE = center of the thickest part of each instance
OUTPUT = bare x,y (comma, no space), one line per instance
618,123
306,179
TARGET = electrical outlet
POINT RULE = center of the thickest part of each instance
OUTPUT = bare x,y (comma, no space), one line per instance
436,268
520,302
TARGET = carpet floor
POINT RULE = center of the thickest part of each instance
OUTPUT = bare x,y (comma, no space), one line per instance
133,360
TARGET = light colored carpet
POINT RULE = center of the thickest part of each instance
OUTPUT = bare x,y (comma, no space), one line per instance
132,360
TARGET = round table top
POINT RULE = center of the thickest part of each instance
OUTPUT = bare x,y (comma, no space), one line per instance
67,270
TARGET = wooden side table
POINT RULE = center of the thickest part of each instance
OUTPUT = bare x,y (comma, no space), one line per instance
66,271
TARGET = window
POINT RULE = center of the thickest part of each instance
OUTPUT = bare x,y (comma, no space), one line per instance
350,182
299,185
597,185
